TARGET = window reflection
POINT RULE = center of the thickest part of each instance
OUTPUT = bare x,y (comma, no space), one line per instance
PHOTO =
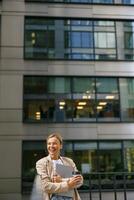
129,155
107,99
110,157
32,151
128,1
69,39
78,1
86,154
129,39
59,85
127,99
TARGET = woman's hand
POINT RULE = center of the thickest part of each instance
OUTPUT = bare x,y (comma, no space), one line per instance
74,181
57,179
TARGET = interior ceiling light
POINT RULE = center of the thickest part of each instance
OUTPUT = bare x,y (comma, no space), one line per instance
99,107
79,107
102,103
62,103
82,103
110,97
61,107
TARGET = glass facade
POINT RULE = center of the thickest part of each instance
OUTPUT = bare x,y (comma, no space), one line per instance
69,39
78,99
107,2
105,156
78,39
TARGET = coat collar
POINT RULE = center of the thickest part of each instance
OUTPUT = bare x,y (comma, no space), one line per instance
64,160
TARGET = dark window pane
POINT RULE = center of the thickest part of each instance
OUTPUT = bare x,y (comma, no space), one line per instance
35,85
36,110
32,151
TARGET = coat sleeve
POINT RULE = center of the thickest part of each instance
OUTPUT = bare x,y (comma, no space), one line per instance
47,185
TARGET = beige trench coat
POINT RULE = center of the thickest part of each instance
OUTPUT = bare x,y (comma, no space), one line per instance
45,170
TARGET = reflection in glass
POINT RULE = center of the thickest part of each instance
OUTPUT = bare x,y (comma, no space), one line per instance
86,156
84,99
129,155
127,98
104,40
39,38
77,1
110,157
107,99
107,85
32,151
59,85
69,39
128,1
128,27
83,85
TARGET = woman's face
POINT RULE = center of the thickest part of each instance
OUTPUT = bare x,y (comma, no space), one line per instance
54,146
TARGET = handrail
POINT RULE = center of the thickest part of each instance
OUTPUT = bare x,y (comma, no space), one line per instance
118,181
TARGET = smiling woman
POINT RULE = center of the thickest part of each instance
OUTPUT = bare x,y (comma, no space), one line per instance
54,185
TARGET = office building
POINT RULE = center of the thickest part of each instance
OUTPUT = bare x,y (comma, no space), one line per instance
65,66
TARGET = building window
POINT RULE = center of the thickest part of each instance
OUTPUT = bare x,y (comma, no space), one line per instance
32,151
105,42
129,40
69,39
78,99
84,99
131,2
110,156
129,156
54,104
78,39
107,99
39,38
74,1
123,2
127,98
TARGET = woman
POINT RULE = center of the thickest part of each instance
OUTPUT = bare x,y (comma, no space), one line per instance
53,185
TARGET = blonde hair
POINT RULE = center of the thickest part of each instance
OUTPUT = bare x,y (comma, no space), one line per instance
57,135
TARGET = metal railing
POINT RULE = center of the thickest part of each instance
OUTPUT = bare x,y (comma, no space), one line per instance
114,183
99,186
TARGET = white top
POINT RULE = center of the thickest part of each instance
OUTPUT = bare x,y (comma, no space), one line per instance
56,162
